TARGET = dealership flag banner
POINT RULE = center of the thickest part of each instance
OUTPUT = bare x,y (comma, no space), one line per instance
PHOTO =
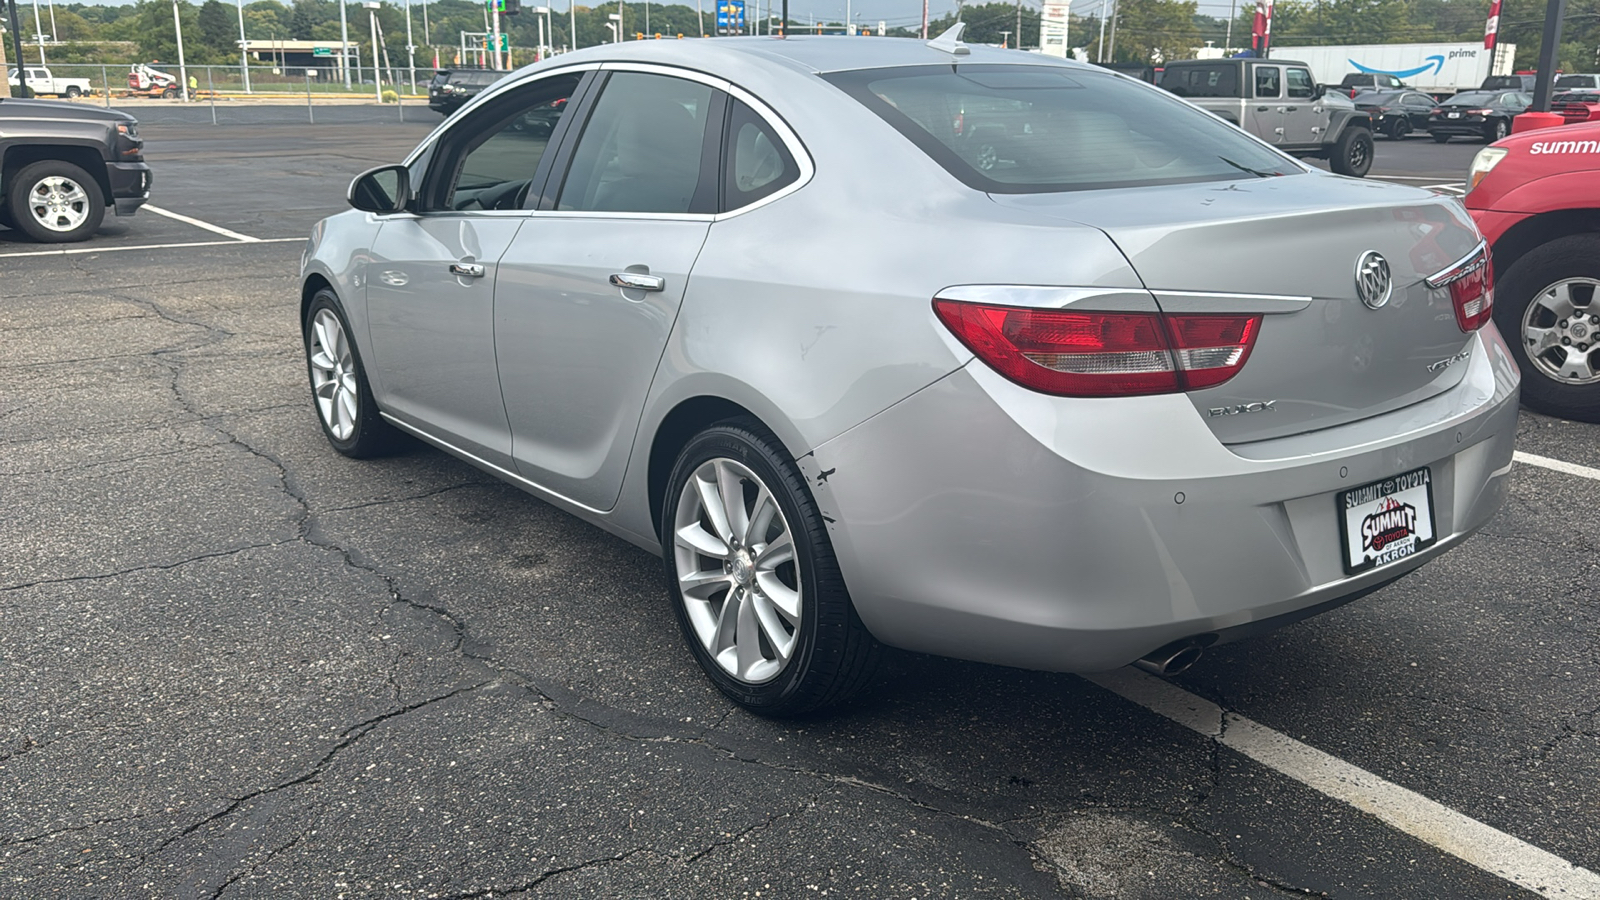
1261,30
1491,31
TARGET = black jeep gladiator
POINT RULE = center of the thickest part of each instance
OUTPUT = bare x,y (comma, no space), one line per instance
63,164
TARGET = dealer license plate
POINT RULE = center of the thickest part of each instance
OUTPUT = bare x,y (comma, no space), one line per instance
1386,521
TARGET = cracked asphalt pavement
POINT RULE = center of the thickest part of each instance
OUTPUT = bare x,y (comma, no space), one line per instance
237,664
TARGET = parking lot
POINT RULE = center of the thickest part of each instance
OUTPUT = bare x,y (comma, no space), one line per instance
239,664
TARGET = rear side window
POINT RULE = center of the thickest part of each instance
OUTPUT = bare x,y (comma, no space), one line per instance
1018,129
642,148
1202,81
757,163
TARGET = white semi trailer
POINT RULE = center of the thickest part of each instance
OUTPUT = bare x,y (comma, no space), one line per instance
1439,69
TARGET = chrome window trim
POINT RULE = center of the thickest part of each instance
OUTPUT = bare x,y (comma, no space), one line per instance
791,140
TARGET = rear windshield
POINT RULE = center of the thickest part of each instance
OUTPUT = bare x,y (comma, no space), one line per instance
1575,81
1576,98
1202,81
1037,129
1471,98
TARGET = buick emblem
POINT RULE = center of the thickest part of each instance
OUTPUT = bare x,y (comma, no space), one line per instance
1373,281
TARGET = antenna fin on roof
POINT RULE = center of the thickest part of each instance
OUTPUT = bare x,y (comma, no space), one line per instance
950,41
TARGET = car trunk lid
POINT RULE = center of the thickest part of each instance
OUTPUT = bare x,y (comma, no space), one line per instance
1289,248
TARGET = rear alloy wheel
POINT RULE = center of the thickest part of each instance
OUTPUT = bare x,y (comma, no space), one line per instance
1398,129
1548,307
339,388
73,92
1497,131
55,202
757,591
1352,153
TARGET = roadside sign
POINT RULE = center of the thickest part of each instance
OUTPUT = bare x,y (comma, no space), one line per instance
321,51
730,15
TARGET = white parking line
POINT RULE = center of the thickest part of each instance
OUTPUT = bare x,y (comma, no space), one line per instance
1490,849
73,251
1557,465
218,229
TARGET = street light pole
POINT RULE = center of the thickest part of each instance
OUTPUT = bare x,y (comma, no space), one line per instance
38,33
244,59
377,74
183,69
344,46
411,49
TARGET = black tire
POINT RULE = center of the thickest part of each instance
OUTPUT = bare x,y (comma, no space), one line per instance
21,193
1575,256
1497,130
835,656
1352,152
1440,138
1398,129
170,93
370,435
73,92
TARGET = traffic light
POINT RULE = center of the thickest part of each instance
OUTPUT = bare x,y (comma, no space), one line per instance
512,7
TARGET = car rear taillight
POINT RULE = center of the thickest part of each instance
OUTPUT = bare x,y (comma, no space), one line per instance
1471,284
1102,354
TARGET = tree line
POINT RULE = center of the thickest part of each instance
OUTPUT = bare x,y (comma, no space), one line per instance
1141,31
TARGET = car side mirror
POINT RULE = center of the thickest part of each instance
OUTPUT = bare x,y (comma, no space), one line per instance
386,189
1318,92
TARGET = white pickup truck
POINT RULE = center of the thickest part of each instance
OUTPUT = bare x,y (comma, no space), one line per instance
41,82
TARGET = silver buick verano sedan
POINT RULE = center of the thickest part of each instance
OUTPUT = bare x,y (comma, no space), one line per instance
965,351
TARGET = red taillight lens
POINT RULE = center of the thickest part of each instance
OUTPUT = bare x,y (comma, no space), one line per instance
1098,354
1211,349
1471,284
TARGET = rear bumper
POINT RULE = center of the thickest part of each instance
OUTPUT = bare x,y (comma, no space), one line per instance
1474,128
130,186
982,521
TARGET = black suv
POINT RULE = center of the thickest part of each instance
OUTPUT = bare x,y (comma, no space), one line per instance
450,88
1356,82
63,164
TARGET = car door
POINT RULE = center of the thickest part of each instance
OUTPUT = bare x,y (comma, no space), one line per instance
1303,115
1417,106
431,278
591,285
1266,105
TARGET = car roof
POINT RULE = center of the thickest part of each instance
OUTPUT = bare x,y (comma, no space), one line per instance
816,54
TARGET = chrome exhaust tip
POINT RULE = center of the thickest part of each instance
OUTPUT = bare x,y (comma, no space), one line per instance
1173,658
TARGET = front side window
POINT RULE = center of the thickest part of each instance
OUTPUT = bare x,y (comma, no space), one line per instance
1023,129
1267,81
489,160
1301,87
643,148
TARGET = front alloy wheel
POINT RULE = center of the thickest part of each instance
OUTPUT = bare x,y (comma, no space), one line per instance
339,389
1548,307
55,202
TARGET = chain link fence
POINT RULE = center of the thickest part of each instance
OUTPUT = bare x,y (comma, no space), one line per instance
220,95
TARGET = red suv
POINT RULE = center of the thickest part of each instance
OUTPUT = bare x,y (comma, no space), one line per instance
1536,197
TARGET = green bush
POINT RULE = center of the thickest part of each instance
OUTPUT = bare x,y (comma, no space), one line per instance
390,97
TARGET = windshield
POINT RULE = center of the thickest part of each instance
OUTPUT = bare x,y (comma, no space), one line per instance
1575,81
1022,129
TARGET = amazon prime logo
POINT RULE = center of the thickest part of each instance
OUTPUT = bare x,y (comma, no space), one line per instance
1374,284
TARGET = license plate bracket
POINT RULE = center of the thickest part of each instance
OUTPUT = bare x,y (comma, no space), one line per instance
1386,521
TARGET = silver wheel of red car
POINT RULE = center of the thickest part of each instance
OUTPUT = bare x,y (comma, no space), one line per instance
1549,310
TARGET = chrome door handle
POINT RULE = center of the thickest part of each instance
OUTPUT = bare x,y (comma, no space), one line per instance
467,270
635,281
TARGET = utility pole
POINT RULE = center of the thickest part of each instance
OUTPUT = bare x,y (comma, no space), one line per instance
344,46
411,49
494,15
38,32
183,70
1019,24
572,12
244,58
1116,13
377,74
1548,48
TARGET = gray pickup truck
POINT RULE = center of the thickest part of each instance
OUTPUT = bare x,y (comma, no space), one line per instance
62,165
1279,102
